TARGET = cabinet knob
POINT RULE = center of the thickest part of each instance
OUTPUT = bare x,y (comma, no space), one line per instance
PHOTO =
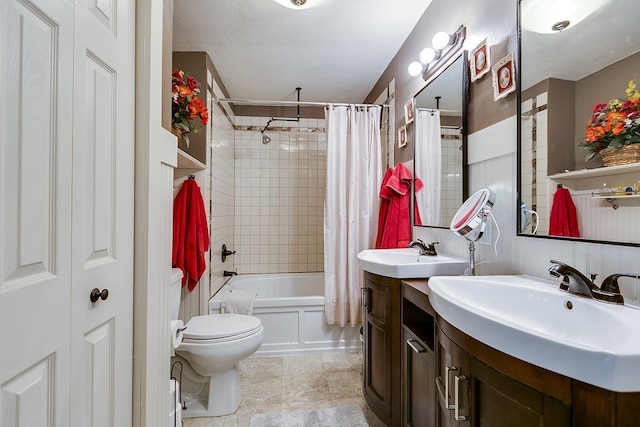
97,294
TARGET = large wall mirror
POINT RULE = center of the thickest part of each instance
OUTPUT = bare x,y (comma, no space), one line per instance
571,60
440,144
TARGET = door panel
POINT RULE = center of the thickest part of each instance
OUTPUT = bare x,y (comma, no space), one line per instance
35,214
103,183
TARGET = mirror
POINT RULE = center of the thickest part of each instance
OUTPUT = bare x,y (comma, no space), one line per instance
470,221
562,76
440,145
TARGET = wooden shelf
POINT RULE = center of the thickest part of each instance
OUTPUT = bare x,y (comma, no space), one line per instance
187,165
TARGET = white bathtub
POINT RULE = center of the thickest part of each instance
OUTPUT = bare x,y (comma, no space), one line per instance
291,307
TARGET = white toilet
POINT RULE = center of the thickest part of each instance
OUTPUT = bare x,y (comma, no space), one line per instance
212,347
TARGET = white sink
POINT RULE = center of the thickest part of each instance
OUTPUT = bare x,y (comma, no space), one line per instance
408,263
532,320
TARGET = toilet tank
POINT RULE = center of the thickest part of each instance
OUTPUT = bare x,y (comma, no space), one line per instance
174,292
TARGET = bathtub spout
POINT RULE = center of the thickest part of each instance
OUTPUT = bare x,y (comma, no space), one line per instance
229,273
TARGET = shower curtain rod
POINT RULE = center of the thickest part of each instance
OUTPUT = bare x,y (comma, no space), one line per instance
285,103
438,109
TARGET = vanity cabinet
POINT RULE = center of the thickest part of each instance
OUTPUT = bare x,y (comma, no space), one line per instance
418,357
473,393
382,347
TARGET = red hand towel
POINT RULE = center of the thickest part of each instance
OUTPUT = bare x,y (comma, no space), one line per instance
563,218
394,222
190,233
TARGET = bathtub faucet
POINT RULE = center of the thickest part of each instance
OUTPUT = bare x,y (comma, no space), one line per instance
229,273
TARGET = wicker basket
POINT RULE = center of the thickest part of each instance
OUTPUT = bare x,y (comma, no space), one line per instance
621,156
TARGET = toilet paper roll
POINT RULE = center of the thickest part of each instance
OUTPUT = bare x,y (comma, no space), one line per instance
177,332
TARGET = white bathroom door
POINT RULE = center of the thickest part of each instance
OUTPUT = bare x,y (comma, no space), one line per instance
36,70
66,212
102,226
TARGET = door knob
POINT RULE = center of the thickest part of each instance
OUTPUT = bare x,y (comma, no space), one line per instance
97,294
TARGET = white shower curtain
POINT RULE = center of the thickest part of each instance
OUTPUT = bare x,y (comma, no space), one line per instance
351,207
427,165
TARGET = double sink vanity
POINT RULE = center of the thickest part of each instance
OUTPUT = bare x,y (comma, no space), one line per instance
442,349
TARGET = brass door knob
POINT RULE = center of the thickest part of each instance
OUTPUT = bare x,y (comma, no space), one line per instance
97,294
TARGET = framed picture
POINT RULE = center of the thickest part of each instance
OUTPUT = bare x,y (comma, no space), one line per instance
479,61
408,111
503,75
402,136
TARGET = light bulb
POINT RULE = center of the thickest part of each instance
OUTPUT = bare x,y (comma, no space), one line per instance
427,55
415,68
440,40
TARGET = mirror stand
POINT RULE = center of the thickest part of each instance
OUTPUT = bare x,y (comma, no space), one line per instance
470,222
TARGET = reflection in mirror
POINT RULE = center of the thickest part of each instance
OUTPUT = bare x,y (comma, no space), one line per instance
563,75
440,145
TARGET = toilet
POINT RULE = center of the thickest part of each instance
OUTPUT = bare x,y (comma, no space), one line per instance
211,350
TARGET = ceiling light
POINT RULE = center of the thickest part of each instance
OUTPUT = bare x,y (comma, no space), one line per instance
297,4
415,69
441,40
551,16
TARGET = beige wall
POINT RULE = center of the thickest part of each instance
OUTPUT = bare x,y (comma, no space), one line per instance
493,19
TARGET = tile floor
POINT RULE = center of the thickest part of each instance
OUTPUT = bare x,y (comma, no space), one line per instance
295,383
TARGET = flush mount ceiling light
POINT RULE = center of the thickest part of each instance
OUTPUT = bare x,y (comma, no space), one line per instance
552,16
297,4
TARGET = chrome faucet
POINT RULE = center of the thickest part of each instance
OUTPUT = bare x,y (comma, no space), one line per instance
425,249
577,283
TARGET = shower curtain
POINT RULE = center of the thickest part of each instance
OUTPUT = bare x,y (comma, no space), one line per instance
354,174
428,151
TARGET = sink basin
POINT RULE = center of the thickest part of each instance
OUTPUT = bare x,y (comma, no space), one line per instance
408,263
532,320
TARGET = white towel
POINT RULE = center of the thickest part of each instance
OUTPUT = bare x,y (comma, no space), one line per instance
238,302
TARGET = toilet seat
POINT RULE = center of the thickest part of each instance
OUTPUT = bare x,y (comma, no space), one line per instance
221,327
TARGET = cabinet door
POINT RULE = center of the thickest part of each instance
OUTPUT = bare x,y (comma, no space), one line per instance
419,385
452,383
502,401
377,376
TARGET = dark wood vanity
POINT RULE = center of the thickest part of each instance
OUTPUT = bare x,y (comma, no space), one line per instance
414,360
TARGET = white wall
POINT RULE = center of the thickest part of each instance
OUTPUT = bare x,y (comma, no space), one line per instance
495,168
222,188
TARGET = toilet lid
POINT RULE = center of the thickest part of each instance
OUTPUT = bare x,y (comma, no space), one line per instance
216,326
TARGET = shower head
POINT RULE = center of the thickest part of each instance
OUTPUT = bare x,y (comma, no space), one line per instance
265,138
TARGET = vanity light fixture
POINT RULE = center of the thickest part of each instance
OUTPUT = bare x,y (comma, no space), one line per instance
444,47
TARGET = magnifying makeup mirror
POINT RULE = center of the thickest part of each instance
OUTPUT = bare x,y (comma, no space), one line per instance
470,221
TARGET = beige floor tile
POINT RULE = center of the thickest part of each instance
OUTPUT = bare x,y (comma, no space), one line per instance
305,405
333,362
261,391
295,383
309,364
343,385
254,367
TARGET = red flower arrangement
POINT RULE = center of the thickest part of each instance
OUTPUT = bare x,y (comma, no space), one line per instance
187,106
615,124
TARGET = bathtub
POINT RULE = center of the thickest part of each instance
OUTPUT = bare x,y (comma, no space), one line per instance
291,307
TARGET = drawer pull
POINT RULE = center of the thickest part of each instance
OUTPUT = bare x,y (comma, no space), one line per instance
445,396
415,345
456,402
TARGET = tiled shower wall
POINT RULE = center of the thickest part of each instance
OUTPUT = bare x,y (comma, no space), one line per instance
279,196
